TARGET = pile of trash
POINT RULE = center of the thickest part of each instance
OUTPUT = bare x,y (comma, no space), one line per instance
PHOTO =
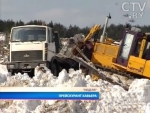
113,98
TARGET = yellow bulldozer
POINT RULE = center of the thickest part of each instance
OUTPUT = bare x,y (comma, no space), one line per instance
130,58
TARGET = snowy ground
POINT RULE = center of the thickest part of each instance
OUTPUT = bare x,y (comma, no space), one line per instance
113,99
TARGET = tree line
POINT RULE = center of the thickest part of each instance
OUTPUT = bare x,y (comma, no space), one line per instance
113,31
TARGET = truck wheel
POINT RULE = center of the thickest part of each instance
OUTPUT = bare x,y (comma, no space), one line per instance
54,69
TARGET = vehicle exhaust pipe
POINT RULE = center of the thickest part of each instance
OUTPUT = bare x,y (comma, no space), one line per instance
102,39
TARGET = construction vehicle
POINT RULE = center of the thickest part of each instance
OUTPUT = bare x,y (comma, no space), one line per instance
130,59
34,45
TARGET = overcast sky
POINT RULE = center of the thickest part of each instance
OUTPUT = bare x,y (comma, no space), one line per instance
76,12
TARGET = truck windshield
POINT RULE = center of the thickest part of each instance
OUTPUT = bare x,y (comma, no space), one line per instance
26,34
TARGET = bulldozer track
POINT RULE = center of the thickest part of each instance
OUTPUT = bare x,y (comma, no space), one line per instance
120,72
99,72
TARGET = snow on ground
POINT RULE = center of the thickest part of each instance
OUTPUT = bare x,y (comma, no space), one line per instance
114,99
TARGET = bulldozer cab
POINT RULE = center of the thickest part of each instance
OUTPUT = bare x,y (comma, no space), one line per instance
131,43
140,63
134,52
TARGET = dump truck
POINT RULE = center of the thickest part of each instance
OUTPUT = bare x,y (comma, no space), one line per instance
35,45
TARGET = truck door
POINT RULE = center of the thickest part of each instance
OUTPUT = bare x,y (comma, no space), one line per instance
57,42
51,45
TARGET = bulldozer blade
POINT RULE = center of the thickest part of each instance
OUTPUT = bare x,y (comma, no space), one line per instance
97,72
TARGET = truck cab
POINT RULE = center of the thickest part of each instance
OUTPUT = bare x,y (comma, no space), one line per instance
32,45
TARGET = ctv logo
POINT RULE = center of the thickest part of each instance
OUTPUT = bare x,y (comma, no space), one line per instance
132,6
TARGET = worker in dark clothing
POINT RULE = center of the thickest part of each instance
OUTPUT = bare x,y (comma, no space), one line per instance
88,49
